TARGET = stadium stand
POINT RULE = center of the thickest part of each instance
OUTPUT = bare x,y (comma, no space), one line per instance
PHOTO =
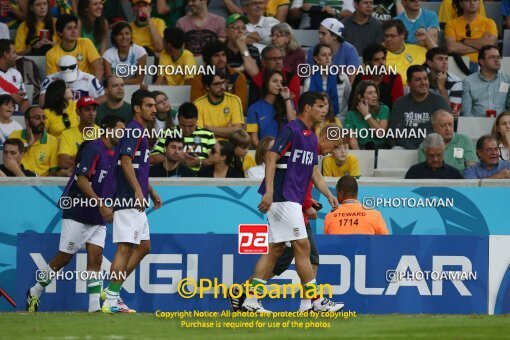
307,38
30,93
395,163
366,161
506,44
474,127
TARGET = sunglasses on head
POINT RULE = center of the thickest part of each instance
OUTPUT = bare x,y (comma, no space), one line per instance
70,67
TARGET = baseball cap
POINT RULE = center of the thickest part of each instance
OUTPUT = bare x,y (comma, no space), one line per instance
134,2
334,26
234,17
68,66
86,101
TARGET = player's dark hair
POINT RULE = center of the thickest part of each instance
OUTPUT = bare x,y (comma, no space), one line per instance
6,99
207,78
5,46
63,20
481,141
279,103
398,24
212,48
308,98
54,98
435,51
138,97
110,121
174,36
188,111
16,142
481,53
371,50
117,28
348,185
414,69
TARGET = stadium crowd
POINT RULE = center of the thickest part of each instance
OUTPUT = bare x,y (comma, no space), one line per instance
92,52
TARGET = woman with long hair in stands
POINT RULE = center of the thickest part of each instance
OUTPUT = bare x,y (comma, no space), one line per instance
337,87
282,36
36,35
332,119
367,113
59,108
92,23
222,159
124,52
240,140
165,117
259,171
267,115
501,130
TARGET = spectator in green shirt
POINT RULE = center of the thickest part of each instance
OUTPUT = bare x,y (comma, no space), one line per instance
459,150
367,117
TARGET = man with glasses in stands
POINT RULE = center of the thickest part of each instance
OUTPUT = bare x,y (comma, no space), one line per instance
490,166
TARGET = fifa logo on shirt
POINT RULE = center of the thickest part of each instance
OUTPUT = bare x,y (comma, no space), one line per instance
146,159
306,157
102,175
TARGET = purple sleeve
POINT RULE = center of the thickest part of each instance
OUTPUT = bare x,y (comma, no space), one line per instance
128,145
88,162
283,141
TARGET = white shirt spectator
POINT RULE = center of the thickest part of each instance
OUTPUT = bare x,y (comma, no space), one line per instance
11,82
85,85
112,56
258,171
4,31
263,28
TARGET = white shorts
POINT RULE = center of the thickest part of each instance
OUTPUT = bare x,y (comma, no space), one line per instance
286,222
75,235
130,226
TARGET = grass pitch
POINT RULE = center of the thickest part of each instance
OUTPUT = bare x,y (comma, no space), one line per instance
148,326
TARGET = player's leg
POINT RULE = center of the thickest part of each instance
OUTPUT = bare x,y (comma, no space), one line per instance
266,261
139,253
127,228
70,243
95,246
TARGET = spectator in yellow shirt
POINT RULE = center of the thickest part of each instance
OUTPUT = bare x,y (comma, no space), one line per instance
180,61
341,163
41,153
36,35
82,49
468,33
400,54
59,108
71,139
147,31
278,9
351,217
447,11
218,110
93,24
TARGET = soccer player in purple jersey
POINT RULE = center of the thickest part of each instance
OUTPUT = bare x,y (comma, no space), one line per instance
130,224
292,161
84,224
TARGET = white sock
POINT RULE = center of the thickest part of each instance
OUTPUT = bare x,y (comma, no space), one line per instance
38,288
94,302
306,304
111,298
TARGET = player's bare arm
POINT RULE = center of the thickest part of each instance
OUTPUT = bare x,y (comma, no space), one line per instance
126,163
155,197
270,161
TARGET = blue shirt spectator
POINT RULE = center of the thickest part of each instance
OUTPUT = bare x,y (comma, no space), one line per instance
426,19
490,165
